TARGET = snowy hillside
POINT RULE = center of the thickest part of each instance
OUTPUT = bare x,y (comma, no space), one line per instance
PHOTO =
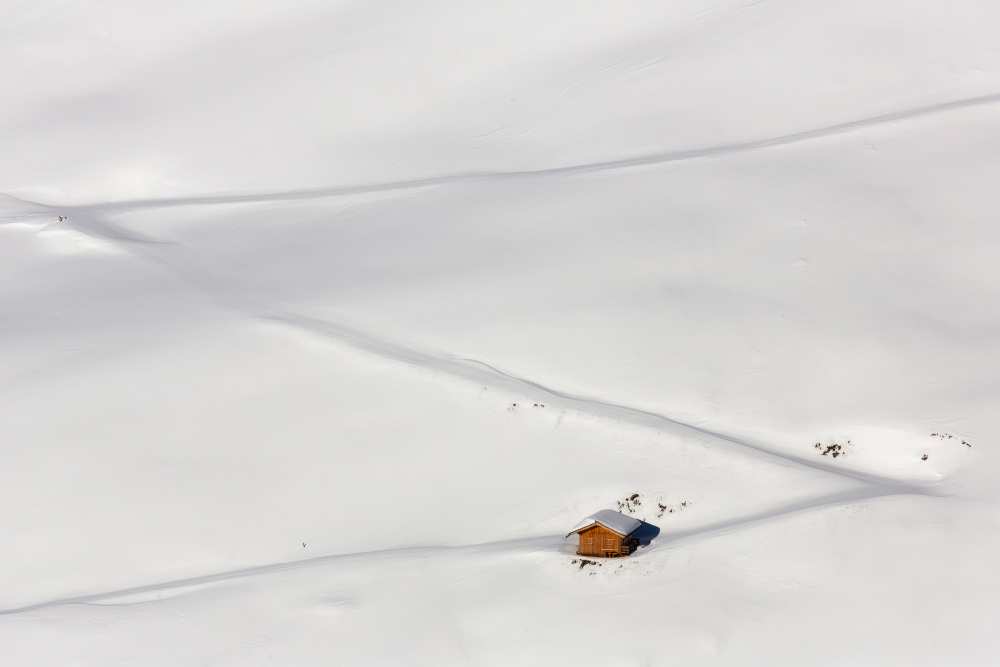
322,323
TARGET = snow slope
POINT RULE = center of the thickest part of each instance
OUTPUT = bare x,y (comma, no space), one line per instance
360,307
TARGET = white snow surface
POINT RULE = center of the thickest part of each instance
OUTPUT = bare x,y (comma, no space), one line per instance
356,307
616,521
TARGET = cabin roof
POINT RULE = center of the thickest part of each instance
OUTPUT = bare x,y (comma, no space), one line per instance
610,519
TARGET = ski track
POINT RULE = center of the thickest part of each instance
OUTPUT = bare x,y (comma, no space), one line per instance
662,157
481,372
463,368
543,543
478,372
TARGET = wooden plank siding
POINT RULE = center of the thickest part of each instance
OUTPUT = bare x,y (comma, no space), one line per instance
600,541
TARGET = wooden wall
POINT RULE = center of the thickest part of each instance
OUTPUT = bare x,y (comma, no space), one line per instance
599,541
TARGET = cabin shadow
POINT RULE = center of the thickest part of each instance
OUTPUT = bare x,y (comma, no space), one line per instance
645,533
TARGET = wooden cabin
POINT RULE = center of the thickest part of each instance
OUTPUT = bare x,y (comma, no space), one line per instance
607,534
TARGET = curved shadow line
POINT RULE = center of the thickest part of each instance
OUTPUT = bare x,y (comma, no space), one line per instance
754,518
547,542
660,157
539,543
484,373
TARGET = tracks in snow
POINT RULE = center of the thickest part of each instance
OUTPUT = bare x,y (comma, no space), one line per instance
533,543
656,158
483,373
545,543
88,219
477,371
867,487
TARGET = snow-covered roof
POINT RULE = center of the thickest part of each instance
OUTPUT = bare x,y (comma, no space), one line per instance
616,521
